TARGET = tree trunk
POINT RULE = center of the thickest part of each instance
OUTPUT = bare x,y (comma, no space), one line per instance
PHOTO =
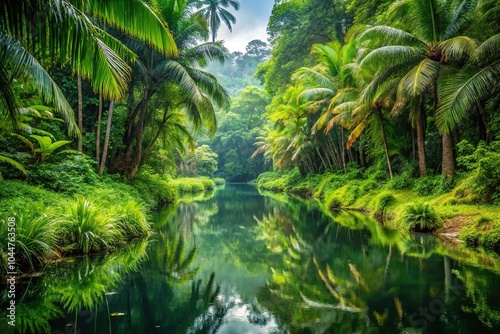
106,138
80,112
483,129
448,161
384,141
98,134
420,127
342,150
137,153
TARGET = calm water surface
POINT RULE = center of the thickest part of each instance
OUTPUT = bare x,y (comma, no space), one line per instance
242,262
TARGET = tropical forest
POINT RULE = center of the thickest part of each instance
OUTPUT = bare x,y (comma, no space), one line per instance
339,173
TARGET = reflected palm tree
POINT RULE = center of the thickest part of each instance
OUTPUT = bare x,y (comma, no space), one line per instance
173,259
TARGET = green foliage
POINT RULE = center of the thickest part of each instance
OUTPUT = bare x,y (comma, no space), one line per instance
19,191
483,165
333,202
202,162
466,159
278,185
219,181
70,175
193,185
420,217
155,190
488,177
383,200
131,219
484,232
35,234
399,182
89,227
426,185
208,184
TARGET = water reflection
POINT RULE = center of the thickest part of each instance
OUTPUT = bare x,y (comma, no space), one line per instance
240,262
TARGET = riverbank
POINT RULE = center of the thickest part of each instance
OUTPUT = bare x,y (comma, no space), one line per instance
453,210
96,217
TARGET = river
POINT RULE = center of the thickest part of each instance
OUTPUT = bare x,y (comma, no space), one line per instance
243,262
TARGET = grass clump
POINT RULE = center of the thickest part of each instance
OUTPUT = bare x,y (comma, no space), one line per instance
90,228
219,181
132,220
35,235
190,185
421,217
382,201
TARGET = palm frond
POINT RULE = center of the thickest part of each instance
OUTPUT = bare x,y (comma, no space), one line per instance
135,18
417,80
13,163
390,55
357,131
487,52
386,35
460,92
7,101
458,48
460,16
22,62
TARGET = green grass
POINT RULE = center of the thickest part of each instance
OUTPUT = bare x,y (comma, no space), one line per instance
91,229
35,235
393,201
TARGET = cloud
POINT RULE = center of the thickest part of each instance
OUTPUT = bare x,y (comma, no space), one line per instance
251,23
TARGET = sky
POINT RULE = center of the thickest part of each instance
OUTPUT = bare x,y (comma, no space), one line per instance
251,23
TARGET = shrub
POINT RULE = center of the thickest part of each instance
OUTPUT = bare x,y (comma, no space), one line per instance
70,175
219,181
278,185
191,185
426,185
208,184
488,177
483,233
399,182
421,217
154,189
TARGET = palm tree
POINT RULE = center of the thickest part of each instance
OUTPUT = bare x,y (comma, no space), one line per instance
330,83
214,12
171,83
417,54
33,31
474,84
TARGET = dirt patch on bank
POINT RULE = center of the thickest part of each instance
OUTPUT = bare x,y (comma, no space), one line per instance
453,226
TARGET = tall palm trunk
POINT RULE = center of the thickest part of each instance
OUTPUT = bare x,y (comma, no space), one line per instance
420,127
342,150
384,140
80,112
448,160
106,138
98,134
